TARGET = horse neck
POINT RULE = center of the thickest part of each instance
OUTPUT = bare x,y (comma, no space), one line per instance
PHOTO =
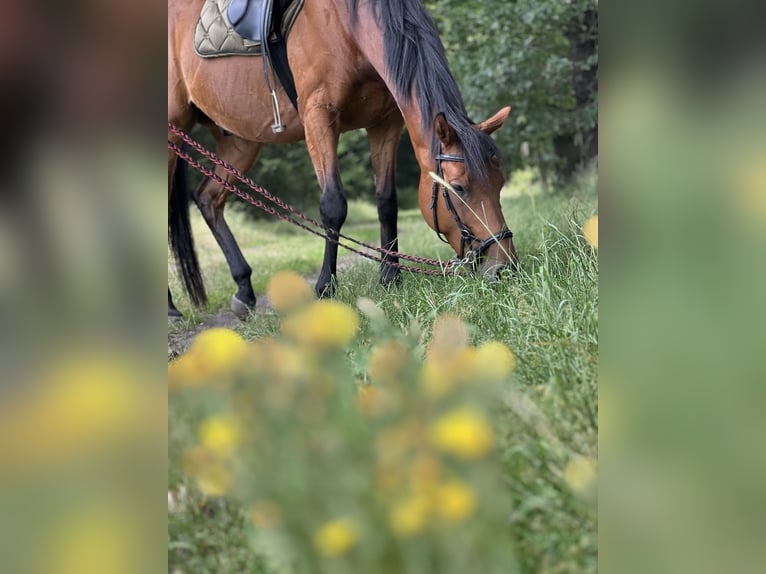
420,136
369,41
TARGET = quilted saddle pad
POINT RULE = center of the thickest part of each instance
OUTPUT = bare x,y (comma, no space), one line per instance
214,36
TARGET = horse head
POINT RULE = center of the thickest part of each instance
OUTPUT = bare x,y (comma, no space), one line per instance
467,211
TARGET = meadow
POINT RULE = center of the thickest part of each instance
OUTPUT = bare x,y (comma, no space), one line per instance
545,410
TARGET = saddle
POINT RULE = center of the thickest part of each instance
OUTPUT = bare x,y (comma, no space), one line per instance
251,28
248,17
216,36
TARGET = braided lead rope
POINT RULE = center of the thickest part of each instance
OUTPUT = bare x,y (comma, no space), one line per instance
446,269
443,266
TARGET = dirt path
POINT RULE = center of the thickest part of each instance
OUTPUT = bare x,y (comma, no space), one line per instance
181,332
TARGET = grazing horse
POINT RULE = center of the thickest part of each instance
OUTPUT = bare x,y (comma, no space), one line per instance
374,64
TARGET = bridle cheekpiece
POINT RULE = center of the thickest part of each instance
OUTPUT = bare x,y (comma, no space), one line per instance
467,237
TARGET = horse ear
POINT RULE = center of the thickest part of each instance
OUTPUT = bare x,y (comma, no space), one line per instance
495,122
443,130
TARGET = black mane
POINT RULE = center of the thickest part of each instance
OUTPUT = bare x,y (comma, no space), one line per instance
417,64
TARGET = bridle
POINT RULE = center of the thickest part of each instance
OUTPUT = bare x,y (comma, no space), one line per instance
467,238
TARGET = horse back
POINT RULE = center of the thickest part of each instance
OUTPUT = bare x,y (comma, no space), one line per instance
329,69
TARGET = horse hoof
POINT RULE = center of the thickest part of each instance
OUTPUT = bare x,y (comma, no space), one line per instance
391,280
241,309
326,292
174,315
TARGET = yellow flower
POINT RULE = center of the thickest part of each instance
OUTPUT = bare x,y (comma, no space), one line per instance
325,324
212,475
494,362
590,231
265,514
425,471
336,537
184,371
436,379
455,501
220,434
462,432
395,442
580,475
750,186
387,361
374,401
410,516
94,538
218,351
450,335
287,291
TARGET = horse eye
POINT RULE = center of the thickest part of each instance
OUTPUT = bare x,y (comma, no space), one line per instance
458,188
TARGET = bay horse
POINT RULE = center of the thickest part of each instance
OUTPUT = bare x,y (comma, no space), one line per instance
377,65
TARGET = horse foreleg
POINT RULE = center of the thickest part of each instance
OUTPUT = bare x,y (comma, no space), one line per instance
322,133
210,197
384,142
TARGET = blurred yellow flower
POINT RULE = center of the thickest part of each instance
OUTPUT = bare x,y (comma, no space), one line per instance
450,334
494,362
580,475
462,432
325,324
750,186
436,379
104,538
394,442
336,537
455,501
387,361
220,434
212,475
410,516
87,401
425,471
265,514
183,372
590,231
374,401
218,351
287,290
214,480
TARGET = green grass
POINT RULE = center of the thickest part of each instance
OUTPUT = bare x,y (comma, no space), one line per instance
547,313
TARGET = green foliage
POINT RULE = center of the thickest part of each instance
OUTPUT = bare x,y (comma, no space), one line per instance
548,412
519,53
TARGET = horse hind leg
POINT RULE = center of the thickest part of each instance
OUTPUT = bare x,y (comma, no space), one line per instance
384,143
210,197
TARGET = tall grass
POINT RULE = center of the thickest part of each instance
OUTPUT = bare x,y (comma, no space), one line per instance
547,313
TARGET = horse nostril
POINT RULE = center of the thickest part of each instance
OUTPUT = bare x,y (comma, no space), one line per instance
493,272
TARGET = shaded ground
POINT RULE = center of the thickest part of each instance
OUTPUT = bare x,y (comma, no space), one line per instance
181,332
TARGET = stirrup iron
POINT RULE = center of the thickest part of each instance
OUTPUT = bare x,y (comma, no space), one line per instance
278,127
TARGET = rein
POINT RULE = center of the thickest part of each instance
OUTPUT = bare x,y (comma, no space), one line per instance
297,218
308,224
467,237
